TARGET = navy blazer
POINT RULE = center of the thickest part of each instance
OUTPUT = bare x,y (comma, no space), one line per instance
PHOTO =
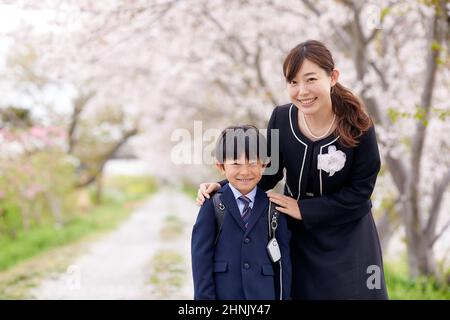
238,267
335,245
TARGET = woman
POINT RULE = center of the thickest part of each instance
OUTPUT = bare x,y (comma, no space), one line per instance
327,145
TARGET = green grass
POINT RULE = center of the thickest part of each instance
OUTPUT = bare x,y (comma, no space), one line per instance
16,282
168,273
42,238
401,287
121,196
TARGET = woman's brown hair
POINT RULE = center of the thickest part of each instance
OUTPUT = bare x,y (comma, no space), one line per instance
352,118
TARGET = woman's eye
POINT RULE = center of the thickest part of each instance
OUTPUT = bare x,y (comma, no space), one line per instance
312,79
293,83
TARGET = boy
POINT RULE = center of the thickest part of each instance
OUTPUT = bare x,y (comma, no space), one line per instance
231,261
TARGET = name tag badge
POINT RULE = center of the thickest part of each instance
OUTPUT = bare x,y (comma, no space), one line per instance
274,250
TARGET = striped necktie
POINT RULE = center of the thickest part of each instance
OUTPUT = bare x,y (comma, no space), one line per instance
246,212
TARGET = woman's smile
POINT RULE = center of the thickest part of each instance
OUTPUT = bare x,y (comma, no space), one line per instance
307,102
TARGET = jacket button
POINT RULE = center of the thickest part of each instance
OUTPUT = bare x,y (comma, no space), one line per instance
247,240
246,266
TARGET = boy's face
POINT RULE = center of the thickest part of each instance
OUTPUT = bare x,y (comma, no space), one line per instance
243,174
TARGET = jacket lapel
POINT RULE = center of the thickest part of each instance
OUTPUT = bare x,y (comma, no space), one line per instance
229,201
259,208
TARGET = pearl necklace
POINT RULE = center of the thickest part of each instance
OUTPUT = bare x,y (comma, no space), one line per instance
309,130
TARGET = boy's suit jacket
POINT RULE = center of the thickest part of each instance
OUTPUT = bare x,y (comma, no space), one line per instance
238,266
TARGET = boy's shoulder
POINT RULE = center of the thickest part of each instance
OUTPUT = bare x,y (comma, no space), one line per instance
209,203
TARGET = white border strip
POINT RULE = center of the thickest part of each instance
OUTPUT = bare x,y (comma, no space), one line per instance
304,154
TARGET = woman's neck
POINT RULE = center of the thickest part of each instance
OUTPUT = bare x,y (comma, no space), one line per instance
320,121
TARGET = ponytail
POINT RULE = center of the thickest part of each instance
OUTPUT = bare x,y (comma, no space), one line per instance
353,120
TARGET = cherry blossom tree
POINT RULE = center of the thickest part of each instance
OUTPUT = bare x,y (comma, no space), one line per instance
394,55
157,66
381,59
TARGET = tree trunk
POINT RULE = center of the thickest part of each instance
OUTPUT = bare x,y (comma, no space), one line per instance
420,249
98,188
425,260
419,238
387,225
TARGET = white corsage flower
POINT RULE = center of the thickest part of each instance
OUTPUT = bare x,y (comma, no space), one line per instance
331,162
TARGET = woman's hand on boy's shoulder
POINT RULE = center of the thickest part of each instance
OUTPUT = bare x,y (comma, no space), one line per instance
204,191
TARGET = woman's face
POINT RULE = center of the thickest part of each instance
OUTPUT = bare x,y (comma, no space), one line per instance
310,89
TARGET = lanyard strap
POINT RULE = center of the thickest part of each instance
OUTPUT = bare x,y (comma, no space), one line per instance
273,220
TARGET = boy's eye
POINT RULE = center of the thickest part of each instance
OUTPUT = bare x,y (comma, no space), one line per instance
252,164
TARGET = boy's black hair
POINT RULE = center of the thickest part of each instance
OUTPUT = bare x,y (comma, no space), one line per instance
236,140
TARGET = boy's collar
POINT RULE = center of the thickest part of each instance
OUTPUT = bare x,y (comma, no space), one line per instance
237,193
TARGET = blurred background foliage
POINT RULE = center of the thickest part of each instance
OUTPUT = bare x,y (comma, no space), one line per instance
88,85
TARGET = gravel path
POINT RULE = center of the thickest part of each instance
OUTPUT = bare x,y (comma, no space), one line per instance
119,265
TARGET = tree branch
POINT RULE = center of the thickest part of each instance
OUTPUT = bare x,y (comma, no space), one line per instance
288,10
311,7
380,75
436,202
78,106
128,134
440,233
243,59
340,33
257,64
389,222
231,37
398,172
372,35
160,10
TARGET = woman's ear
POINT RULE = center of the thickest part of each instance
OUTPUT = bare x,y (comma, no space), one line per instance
334,76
